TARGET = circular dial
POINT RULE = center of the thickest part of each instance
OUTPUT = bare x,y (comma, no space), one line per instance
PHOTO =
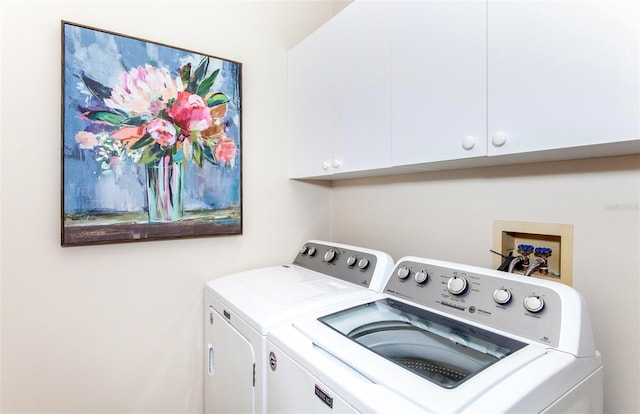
311,251
421,276
403,272
533,303
329,255
304,249
457,285
502,296
351,260
363,263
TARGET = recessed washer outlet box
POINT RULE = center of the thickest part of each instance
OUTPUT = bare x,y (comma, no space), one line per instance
508,235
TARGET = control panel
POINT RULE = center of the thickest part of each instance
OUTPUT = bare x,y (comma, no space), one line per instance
342,262
519,306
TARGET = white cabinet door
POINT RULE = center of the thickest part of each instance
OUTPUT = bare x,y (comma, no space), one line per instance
439,72
362,71
562,74
311,105
340,94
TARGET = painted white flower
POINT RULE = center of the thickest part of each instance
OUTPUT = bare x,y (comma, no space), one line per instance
144,91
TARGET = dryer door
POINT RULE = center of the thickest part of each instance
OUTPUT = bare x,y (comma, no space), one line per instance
230,363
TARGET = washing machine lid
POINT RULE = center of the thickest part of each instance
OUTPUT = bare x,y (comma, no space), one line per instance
444,351
267,296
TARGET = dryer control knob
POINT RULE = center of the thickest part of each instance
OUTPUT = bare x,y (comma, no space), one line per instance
329,255
502,296
457,285
403,272
351,260
533,304
311,251
421,277
363,263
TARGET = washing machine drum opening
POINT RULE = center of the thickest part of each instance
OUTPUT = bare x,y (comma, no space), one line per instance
441,350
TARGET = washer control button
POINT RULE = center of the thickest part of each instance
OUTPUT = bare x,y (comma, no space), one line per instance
351,260
457,285
403,272
421,277
533,303
329,255
311,251
502,296
363,263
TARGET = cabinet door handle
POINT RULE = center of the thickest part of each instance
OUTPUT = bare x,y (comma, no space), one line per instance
469,142
499,139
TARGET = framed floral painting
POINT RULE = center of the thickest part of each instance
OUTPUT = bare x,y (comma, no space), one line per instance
151,140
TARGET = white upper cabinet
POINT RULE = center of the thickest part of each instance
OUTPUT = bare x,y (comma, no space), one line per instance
340,94
439,80
562,74
394,86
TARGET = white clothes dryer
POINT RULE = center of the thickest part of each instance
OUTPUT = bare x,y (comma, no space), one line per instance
241,308
441,338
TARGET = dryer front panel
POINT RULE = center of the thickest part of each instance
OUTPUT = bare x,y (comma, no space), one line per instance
229,378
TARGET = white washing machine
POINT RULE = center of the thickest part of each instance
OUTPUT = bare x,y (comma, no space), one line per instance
441,338
241,308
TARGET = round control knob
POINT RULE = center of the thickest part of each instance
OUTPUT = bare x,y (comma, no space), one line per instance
533,303
363,263
421,277
329,255
351,260
304,249
499,139
457,285
502,296
403,272
311,251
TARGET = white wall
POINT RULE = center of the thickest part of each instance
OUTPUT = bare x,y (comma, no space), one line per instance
117,328
449,215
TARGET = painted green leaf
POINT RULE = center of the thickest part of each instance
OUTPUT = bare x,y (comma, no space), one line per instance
197,155
137,120
142,142
105,116
207,83
185,74
96,88
151,154
198,75
217,99
208,155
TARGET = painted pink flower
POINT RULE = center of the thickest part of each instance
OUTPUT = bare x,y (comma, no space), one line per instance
162,131
144,90
225,150
190,113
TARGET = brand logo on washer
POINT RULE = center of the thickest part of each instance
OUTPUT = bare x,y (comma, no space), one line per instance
273,362
324,397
